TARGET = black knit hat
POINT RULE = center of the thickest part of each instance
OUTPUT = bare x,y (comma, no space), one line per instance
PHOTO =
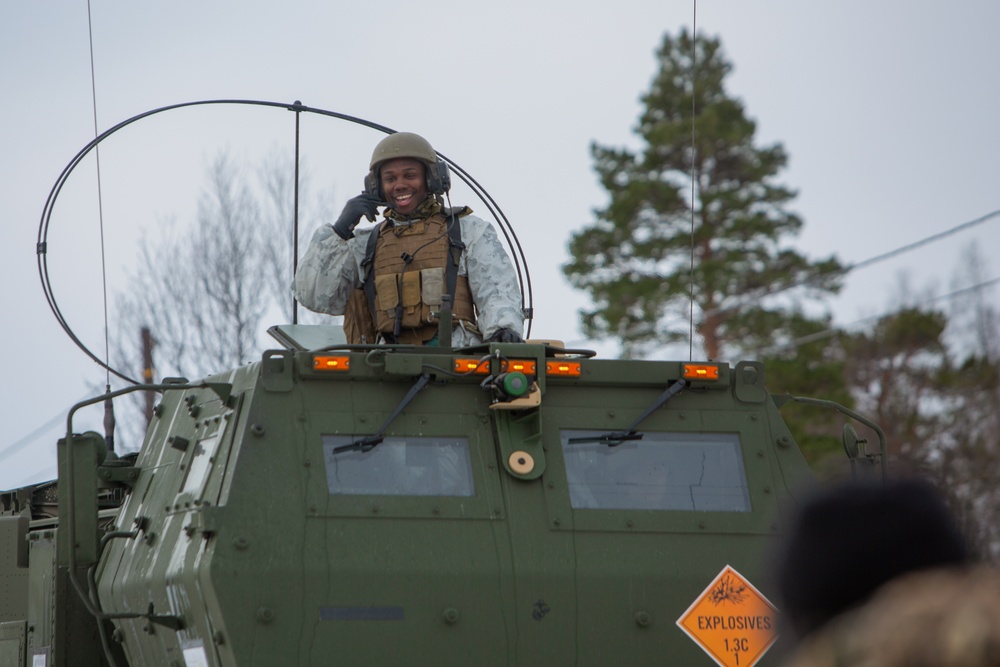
848,541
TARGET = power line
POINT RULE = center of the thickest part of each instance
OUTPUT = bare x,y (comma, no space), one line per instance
930,239
51,472
765,291
31,437
827,333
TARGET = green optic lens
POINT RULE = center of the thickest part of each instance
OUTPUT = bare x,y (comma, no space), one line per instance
515,384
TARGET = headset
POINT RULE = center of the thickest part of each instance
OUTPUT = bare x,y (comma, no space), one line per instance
438,179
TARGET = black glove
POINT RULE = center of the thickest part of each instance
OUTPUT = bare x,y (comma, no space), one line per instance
505,336
363,205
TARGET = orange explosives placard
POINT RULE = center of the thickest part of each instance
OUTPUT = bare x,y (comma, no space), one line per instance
731,620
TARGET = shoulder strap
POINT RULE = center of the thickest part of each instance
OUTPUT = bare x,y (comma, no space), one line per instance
456,247
369,274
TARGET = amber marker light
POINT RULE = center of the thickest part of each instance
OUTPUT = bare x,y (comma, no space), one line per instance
474,366
526,366
701,372
329,363
563,368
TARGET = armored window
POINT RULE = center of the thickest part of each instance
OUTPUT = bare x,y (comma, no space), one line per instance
400,466
662,471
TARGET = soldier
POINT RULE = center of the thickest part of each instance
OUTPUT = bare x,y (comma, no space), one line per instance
388,281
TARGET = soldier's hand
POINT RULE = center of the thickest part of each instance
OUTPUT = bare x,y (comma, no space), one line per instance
505,336
365,205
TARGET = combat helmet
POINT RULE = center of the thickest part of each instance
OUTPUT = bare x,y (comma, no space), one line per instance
408,144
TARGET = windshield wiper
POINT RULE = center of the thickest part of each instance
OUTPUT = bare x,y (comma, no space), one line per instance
367,443
611,439
615,438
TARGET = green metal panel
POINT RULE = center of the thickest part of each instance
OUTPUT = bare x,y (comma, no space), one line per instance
369,578
175,499
42,592
13,567
78,459
12,644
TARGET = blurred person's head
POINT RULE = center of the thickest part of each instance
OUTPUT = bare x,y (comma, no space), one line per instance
847,541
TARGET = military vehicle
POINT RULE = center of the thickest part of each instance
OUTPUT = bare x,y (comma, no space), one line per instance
504,504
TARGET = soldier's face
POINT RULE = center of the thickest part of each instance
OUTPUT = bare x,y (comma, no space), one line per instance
404,183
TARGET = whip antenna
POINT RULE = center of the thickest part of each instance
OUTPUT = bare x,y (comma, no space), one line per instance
109,409
694,59
297,108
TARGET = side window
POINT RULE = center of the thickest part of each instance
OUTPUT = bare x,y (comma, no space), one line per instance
400,466
662,471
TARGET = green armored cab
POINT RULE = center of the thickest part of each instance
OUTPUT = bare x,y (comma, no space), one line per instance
511,504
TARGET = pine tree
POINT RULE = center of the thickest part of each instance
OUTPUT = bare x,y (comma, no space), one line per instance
647,260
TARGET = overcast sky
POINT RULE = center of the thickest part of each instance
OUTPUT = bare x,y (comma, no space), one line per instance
888,111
